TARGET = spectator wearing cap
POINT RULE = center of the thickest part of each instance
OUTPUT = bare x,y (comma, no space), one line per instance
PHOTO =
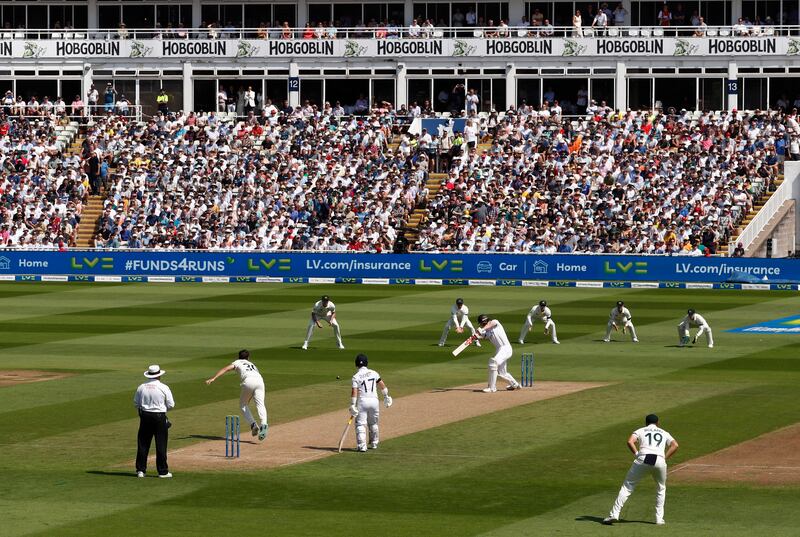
153,399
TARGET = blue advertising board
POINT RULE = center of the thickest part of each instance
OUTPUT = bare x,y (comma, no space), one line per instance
456,268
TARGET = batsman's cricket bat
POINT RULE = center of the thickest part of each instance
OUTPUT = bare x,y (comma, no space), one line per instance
344,433
461,347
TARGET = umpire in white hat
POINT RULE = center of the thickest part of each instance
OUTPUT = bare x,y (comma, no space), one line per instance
153,398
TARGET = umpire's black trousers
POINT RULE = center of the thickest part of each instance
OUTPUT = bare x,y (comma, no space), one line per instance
152,424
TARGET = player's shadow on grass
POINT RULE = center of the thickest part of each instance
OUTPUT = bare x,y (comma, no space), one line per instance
599,520
329,449
202,437
440,390
678,346
111,474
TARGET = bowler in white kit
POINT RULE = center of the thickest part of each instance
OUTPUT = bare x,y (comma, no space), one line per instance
655,446
620,316
541,311
459,318
364,405
694,319
324,310
252,388
492,330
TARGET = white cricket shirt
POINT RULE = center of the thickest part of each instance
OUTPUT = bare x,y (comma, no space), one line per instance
366,382
652,440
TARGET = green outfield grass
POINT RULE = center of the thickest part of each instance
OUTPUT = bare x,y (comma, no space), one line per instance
547,468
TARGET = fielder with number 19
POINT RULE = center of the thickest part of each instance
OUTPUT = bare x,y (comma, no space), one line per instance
651,458
492,330
364,406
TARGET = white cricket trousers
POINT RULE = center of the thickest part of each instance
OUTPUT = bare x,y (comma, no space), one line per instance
683,331
628,326
637,471
331,322
369,412
549,326
253,389
450,325
498,366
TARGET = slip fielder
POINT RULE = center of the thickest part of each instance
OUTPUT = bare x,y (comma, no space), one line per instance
323,310
541,312
694,319
620,316
492,330
458,320
651,458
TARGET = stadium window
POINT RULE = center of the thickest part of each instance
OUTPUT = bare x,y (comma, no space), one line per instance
347,15
231,15
346,91
753,94
13,16
640,93
383,90
40,87
783,92
209,13
205,95
80,17
770,8
602,89
498,94
150,88
711,97
138,16
284,13
529,92
319,13
276,91
36,18
675,92
109,17
716,13
562,14
174,14
69,88
311,91
419,91
447,97
545,8
568,92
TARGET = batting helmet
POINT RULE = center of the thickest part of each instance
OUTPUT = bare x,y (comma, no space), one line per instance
361,360
690,311
543,303
459,302
483,319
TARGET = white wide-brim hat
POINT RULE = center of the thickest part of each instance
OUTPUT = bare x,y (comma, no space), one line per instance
154,371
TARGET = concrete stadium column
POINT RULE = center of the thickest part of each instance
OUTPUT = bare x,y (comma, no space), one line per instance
621,88
91,18
302,14
516,9
511,86
627,5
197,16
294,96
736,11
88,74
402,86
188,88
733,73
408,11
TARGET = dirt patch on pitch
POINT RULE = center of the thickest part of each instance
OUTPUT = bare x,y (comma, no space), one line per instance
25,376
318,436
770,459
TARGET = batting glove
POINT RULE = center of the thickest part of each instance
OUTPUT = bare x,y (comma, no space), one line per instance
387,401
353,411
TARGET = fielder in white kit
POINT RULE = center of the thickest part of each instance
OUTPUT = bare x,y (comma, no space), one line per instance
458,320
541,312
323,310
620,316
651,458
364,406
694,319
252,388
492,330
